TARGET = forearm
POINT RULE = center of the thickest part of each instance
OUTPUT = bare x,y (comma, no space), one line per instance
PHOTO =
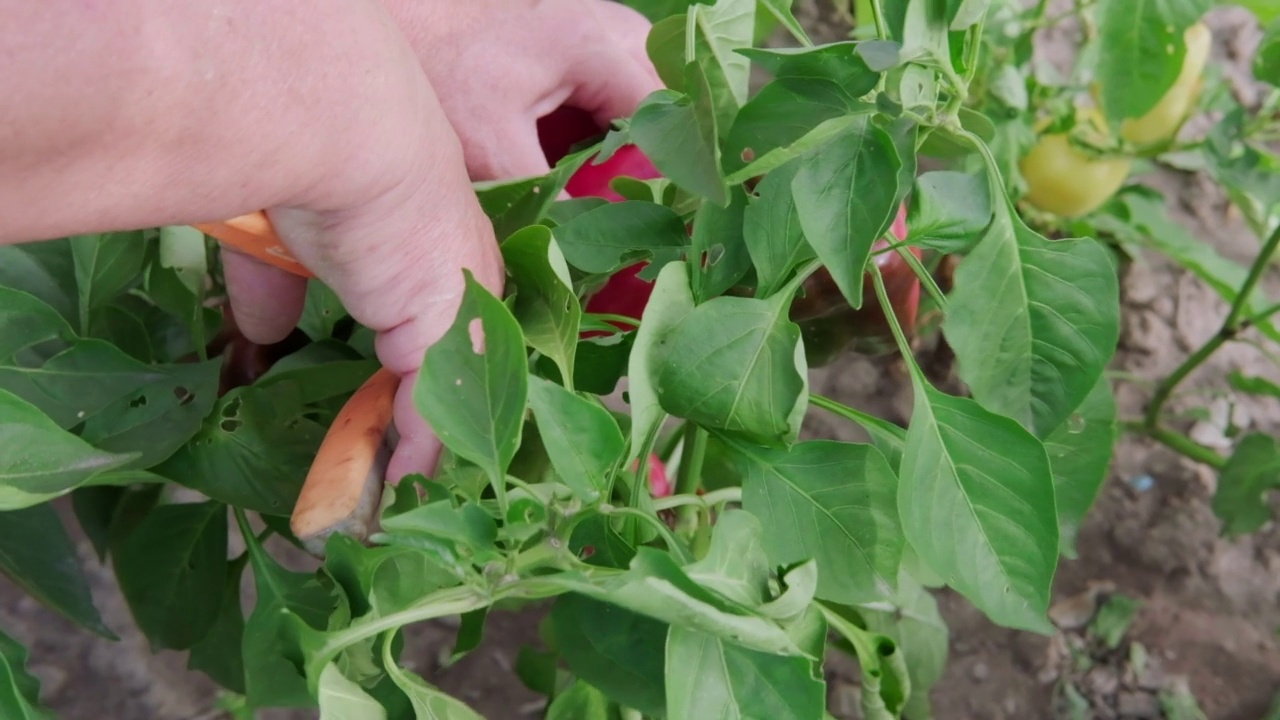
149,112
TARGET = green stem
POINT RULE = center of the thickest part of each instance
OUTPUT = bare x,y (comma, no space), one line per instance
846,412
1231,326
711,499
1179,443
904,347
882,27
673,543
926,278
614,318
974,51
689,475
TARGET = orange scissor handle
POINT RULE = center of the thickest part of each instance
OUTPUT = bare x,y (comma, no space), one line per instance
253,235
342,489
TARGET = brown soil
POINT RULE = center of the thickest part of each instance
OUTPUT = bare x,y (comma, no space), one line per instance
1210,608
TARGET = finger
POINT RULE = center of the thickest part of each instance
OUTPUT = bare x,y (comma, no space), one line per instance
417,447
511,150
616,74
266,300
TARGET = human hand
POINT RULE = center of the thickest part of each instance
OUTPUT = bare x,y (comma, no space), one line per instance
496,67
499,65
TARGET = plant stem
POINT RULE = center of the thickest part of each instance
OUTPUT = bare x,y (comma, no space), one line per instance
711,499
673,543
613,318
689,475
1231,326
877,12
1178,442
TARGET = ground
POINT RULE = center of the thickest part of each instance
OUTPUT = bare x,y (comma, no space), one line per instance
1209,608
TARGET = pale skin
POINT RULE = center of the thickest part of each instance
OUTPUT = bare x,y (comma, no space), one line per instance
358,125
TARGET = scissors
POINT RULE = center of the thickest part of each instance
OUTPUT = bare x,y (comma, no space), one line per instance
343,487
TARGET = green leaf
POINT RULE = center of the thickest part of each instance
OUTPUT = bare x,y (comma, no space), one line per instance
781,11
253,451
474,398
607,238
1252,471
25,320
922,637
681,140
1079,454
1253,384
736,364
715,32
772,233
41,460
846,196
581,437
1033,323
155,420
342,699
809,143
513,205
657,587
810,87
1140,51
321,311
545,306
617,650
830,501
885,681
428,702
19,689
272,644
963,13
669,303
949,210
45,270
172,570
467,527
579,701
319,371
718,248
218,654
37,555
1248,172
710,678
176,282
105,265
1266,62
976,499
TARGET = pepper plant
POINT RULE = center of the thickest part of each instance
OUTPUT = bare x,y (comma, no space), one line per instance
124,386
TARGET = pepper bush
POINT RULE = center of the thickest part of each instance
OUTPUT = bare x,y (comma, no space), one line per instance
123,381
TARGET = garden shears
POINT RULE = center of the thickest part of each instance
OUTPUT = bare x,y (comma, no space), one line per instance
343,487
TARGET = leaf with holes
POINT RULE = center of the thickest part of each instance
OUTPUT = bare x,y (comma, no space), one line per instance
1252,471
253,450
474,383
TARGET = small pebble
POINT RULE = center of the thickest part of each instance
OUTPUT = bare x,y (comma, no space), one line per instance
1142,483
980,671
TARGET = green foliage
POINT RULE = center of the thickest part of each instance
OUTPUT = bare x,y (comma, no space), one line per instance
723,599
